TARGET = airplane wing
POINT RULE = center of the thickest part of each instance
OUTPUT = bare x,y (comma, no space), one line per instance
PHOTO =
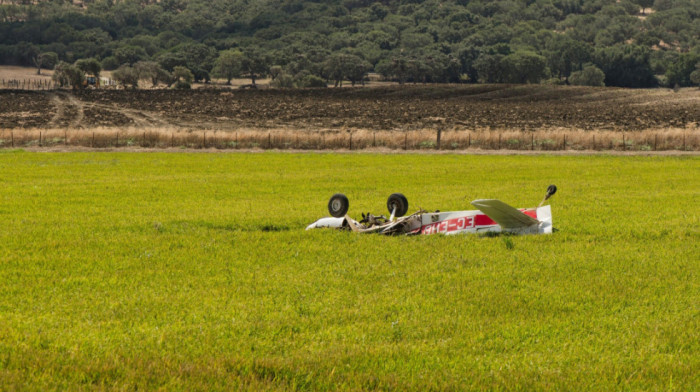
505,215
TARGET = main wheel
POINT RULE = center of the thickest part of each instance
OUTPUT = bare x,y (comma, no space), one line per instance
338,205
398,201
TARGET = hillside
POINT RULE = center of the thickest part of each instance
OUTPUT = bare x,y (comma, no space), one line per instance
638,43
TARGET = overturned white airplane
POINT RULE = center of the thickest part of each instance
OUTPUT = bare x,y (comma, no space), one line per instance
492,216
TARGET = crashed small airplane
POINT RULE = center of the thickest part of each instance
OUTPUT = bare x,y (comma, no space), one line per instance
492,216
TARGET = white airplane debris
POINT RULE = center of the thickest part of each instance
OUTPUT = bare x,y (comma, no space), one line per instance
491,216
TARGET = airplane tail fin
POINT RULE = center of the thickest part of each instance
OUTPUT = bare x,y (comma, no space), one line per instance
506,216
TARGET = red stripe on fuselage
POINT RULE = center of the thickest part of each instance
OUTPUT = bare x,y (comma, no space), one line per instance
530,213
483,220
458,224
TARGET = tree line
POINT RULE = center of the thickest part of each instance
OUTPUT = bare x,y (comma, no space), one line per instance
298,43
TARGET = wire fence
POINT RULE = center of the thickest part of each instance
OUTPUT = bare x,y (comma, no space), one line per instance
42,84
28,84
425,139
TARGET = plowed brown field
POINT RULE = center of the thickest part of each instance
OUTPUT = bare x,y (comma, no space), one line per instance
380,108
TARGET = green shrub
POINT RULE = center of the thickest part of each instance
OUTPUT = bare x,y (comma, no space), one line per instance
589,76
312,81
182,85
110,63
282,81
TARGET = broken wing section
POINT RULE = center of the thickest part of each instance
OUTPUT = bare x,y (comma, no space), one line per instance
509,218
404,225
336,223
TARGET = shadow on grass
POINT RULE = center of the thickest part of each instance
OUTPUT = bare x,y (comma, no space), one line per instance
182,226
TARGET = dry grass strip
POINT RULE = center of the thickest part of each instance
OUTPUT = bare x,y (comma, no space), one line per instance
678,139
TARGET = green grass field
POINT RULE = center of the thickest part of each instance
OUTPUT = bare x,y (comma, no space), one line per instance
192,271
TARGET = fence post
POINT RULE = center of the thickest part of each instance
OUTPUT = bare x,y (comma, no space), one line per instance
683,141
469,140
655,135
374,139
624,145
172,139
564,142
593,147
40,139
269,140
92,143
499,140
117,145
532,141
204,140
350,140
12,138
65,138
405,141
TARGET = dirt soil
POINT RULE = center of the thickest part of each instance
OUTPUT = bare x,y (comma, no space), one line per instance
379,108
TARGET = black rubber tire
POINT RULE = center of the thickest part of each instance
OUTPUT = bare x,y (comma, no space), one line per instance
552,189
401,203
338,205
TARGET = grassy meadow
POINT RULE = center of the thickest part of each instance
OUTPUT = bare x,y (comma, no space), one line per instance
193,271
